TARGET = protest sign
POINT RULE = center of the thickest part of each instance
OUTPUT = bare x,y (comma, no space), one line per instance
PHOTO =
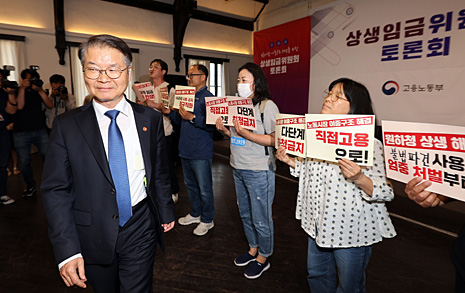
241,109
332,137
290,134
184,96
431,151
230,109
145,91
165,97
217,107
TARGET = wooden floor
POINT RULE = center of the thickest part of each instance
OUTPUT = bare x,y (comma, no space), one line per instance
417,260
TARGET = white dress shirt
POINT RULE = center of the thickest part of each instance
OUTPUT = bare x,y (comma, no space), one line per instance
134,159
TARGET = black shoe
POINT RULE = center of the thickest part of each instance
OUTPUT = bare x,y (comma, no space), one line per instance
28,192
256,269
244,259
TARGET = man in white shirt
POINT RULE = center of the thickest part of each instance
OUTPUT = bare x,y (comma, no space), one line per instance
158,70
63,101
105,184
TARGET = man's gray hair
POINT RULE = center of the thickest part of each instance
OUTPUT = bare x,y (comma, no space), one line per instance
106,41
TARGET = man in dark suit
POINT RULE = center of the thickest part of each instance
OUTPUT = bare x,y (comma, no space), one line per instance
106,183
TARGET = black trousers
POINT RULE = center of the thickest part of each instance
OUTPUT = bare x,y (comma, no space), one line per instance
172,158
132,266
458,257
4,156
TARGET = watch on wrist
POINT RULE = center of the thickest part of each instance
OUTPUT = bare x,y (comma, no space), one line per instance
192,120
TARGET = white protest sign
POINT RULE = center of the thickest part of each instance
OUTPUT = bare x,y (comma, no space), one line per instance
136,91
331,137
165,97
184,96
290,134
145,91
230,109
217,107
241,109
431,151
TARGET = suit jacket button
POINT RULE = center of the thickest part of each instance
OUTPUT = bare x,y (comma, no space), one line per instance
113,191
115,217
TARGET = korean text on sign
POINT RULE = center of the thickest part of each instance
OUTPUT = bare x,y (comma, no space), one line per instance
230,109
165,97
430,151
145,90
290,134
333,137
419,37
184,96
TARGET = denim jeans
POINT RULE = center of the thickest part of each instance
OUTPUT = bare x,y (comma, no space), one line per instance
255,195
4,156
350,262
198,180
23,141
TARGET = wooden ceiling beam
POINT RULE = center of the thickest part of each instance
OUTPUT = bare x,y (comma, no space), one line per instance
156,6
162,7
183,11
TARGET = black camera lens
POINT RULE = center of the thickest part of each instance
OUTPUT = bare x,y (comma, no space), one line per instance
11,84
37,82
63,90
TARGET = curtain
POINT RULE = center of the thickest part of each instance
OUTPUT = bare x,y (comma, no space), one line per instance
135,68
12,53
79,86
226,87
205,63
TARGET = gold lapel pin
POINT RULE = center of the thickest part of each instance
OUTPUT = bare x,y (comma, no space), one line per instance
144,128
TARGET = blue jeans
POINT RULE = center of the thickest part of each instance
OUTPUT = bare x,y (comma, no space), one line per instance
350,262
198,180
4,156
23,141
255,195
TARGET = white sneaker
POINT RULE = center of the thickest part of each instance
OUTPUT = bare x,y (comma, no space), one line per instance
203,228
175,197
6,200
187,220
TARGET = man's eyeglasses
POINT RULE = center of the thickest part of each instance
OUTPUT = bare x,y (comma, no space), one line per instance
333,96
111,72
192,75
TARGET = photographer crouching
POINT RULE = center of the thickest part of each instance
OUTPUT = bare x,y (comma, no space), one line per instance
62,100
29,128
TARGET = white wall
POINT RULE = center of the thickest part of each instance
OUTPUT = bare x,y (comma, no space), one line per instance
99,17
148,31
39,50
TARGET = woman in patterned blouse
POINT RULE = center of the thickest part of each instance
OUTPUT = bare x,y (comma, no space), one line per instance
341,205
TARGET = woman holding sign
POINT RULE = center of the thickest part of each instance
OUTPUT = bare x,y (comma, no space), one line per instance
341,205
254,165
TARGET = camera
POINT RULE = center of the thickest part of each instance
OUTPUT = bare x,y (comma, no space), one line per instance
5,72
35,80
62,90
